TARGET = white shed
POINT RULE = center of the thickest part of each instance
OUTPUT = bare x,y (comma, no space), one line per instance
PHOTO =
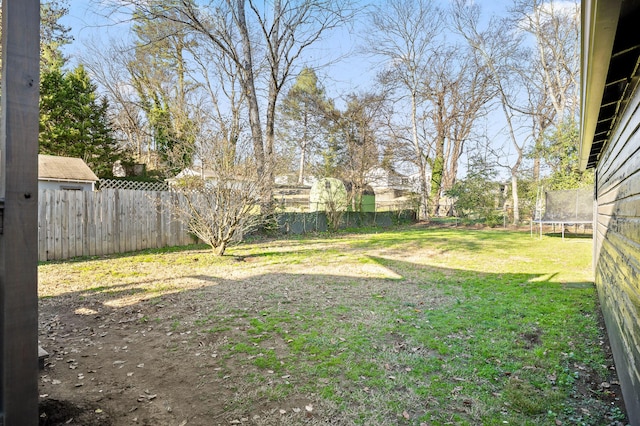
66,173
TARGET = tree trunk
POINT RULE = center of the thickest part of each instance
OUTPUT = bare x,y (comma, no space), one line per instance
514,196
536,169
436,182
303,155
267,205
248,84
219,250
423,211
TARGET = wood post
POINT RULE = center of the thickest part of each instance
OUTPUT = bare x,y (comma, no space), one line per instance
19,223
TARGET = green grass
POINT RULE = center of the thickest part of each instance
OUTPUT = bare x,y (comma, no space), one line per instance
517,329
435,326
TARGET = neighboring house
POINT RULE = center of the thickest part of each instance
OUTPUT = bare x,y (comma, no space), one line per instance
211,180
382,179
192,172
292,179
64,173
610,138
186,176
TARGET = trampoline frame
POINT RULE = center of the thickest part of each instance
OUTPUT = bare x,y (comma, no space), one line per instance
542,219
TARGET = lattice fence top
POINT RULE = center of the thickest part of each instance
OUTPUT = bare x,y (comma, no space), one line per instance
134,185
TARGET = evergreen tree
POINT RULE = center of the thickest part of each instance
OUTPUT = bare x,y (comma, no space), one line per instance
53,35
304,118
73,121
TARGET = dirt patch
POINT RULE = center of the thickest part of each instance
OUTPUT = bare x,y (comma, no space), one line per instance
156,341
155,345
55,412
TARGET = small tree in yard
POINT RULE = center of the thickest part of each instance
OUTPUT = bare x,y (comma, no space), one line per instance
221,208
475,196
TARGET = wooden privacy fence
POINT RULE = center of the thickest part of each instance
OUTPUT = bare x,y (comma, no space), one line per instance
83,223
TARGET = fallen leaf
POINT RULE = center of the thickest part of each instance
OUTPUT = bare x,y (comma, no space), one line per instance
283,411
406,415
309,408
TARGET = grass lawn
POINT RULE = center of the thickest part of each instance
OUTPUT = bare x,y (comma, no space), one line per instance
416,326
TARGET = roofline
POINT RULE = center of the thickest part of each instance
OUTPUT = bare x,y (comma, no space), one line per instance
601,17
53,179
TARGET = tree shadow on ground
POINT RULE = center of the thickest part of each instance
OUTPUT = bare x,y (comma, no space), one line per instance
210,349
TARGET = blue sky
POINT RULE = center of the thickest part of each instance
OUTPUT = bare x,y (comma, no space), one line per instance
348,71
352,73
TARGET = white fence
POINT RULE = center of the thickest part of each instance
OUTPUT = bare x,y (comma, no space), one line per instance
82,223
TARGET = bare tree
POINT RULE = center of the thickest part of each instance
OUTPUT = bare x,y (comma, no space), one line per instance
456,90
471,95
499,47
445,85
108,66
222,99
551,72
283,30
221,205
538,43
555,29
404,37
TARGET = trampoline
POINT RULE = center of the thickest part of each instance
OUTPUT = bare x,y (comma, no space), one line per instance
565,207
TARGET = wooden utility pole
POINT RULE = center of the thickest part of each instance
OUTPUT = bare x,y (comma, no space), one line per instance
18,213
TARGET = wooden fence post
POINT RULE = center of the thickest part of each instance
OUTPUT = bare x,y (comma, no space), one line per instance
19,215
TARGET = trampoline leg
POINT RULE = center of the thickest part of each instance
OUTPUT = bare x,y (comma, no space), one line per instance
562,231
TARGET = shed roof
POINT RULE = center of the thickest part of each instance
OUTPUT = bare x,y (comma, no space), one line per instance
51,167
610,72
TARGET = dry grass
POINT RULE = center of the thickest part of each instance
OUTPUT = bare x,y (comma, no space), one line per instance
412,326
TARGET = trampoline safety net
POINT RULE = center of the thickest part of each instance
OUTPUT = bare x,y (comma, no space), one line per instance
568,206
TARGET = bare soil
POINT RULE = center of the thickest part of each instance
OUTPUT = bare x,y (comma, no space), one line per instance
124,348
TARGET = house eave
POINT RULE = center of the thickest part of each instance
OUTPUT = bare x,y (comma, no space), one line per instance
599,26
